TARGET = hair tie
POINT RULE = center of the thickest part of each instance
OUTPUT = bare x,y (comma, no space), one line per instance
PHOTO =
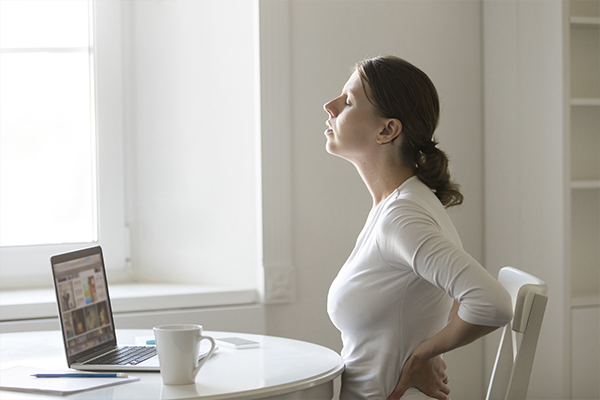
428,147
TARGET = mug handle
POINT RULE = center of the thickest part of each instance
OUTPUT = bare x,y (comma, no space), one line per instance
212,350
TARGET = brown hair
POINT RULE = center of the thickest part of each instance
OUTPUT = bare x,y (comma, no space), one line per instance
402,91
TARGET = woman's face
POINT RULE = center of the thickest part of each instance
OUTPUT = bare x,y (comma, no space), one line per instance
353,122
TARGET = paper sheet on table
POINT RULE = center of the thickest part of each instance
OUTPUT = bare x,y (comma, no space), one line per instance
19,379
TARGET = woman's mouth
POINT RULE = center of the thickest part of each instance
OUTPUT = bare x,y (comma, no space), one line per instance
329,130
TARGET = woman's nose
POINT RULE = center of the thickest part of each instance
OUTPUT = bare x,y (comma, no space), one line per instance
328,107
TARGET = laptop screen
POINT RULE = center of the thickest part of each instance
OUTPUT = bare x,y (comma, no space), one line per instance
83,302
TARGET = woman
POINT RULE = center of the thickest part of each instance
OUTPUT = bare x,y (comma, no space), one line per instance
408,292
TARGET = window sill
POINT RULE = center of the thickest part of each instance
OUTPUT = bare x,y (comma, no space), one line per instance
18,305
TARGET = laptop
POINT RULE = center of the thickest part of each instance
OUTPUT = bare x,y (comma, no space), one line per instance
86,318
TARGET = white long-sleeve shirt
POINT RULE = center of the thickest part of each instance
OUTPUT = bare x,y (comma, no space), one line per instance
396,290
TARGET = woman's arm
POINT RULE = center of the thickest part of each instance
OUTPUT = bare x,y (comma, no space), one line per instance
424,369
411,236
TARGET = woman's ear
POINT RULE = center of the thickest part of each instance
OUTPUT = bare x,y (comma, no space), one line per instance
390,131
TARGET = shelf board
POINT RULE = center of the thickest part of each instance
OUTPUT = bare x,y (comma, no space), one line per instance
585,101
585,22
589,300
587,184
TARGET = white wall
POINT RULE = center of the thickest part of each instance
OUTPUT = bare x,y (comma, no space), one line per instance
330,203
192,157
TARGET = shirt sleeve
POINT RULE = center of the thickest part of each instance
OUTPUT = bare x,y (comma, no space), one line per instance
409,236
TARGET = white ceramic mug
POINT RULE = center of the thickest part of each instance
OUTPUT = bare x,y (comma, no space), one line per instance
178,348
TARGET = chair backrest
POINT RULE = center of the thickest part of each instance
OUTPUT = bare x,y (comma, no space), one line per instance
512,369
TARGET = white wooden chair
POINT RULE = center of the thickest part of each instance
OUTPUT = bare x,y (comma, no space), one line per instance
512,369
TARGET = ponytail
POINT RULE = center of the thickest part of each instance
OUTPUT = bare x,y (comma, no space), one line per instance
432,169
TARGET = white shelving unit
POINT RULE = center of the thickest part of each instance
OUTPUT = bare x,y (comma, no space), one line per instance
542,163
584,58
584,135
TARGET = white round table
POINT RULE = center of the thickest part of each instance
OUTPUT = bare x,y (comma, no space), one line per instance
278,369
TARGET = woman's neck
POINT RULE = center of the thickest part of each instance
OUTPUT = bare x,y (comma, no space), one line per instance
383,178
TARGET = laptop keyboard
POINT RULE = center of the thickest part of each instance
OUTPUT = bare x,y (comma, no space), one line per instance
126,355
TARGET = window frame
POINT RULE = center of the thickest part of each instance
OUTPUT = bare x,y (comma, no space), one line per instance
29,266
117,206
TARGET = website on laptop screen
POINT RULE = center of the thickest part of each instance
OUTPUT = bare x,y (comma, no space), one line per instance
83,303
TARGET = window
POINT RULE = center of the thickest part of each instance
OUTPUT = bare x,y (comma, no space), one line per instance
47,160
56,139
178,147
